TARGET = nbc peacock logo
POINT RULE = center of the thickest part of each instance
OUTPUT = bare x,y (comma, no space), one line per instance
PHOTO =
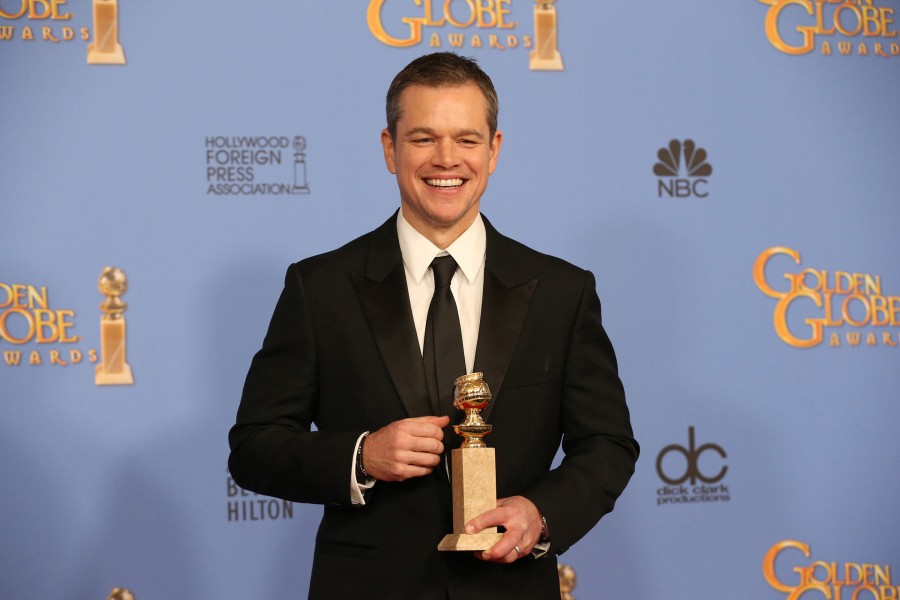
682,170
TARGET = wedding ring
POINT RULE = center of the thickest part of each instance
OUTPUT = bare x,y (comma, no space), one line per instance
518,552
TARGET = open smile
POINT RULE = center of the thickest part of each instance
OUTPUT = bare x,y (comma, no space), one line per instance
445,183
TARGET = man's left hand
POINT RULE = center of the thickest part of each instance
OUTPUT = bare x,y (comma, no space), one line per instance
522,521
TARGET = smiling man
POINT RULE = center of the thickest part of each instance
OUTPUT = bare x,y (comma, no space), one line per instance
360,346
442,150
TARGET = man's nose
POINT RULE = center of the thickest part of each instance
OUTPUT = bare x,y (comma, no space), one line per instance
446,154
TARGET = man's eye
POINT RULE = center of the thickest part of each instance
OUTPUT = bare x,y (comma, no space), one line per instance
421,140
468,142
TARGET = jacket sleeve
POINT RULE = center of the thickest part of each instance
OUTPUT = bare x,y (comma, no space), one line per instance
274,449
598,442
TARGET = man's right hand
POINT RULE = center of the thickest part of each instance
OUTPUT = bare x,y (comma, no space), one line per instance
404,449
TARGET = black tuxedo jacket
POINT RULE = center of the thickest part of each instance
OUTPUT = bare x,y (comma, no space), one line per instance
342,353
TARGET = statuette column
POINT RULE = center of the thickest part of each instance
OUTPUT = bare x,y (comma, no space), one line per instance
545,56
105,49
113,368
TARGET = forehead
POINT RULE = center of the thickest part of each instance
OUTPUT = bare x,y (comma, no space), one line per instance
422,105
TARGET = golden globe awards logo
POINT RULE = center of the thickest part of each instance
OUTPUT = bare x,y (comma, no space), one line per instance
827,579
847,308
835,27
692,474
36,333
51,21
481,24
244,165
28,318
682,158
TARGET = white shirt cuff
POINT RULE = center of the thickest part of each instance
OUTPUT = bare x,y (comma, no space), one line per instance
358,489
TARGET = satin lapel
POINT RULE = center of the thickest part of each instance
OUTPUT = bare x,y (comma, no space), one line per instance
384,299
507,295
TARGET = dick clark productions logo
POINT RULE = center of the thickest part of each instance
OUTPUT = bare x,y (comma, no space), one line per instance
682,476
695,170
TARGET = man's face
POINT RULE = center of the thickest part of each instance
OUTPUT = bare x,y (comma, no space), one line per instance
442,157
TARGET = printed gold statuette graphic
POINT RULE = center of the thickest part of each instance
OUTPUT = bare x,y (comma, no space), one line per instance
473,468
120,594
113,368
105,49
545,56
566,581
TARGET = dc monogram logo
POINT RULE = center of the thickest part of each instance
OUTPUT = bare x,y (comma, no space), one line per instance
692,456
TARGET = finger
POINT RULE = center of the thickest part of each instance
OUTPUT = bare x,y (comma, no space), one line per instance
419,459
441,421
500,554
505,549
490,518
418,443
406,467
409,471
431,426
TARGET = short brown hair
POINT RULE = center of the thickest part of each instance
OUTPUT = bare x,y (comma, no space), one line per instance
441,69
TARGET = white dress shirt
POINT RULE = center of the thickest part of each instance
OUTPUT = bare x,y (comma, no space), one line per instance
467,286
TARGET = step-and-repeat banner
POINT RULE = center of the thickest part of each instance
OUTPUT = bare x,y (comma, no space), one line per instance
728,170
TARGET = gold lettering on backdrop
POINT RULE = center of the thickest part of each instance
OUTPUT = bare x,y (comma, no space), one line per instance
37,10
37,13
839,299
828,579
25,316
446,23
848,18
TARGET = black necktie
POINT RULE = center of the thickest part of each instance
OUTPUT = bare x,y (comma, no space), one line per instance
444,358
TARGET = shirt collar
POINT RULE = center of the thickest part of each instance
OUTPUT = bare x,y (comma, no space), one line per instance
467,250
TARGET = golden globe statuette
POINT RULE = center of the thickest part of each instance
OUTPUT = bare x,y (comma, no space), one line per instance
105,49
113,368
473,471
545,56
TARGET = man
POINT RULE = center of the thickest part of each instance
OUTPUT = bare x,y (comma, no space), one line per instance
345,351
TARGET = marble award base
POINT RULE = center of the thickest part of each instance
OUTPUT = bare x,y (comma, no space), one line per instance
474,479
113,368
97,56
123,377
554,62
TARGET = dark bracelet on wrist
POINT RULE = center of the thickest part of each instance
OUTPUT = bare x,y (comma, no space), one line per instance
361,475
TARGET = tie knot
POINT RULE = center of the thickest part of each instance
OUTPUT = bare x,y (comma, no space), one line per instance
443,267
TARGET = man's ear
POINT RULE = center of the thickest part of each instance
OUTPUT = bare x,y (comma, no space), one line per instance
495,151
387,143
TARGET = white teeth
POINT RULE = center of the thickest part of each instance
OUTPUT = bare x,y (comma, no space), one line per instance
444,182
